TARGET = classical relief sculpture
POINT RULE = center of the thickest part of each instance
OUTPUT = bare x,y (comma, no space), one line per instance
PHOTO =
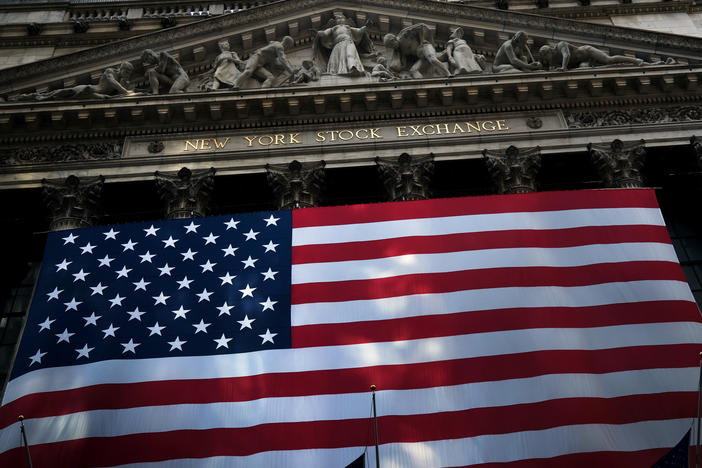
619,163
564,56
514,170
406,178
514,55
308,72
381,71
414,52
162,70
186,194
227,67
113,82
296,185
460,56
267,62
337,47
72,203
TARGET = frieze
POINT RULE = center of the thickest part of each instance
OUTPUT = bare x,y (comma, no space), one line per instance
613,118
166,38
60,153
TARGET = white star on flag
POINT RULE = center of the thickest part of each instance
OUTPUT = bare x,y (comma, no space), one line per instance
211,239
170,242
268,304
84,351
63,265
160,299
110,331
156,329
111,234
176,344
54,294
129,245
271,221
246,323
251,235
223,341
70,239
91,319
87,248
231,224
151,231
247,291
268,336
192,227
37,357
130,346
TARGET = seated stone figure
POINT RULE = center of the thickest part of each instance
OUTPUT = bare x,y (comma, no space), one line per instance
564,56
413,51
514,55
113,82
260,62
382,72
163,69
308,72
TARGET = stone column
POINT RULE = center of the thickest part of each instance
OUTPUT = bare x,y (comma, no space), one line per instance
514,170
296,185
73,203
619,163
407,177
186,194
696,143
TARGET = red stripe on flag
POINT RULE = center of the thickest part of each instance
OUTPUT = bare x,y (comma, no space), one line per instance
638,459
480,321
152,447
432,283
355,380
551,238
540,201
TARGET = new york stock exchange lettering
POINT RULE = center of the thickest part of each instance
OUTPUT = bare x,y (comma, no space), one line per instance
345,135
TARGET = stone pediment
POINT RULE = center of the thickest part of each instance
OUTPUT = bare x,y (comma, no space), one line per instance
195,45
342,96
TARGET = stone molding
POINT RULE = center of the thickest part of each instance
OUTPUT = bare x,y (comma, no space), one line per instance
406,177
186,194
296,185
43,154
646,115
114,52
513,169
73,202
619,163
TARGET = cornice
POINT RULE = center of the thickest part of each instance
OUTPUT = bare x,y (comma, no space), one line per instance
450,13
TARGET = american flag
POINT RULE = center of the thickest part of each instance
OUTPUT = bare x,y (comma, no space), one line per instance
534,330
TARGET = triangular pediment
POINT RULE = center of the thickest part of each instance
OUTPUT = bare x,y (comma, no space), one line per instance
195,45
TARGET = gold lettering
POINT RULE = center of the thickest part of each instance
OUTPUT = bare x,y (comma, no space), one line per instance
349,132
358,133
491,126
260,140
374,133
320,138
333,136
438,128
424,130
205,144
475,127
190,143
279,139
402,131
220,144
500,124
250,140
458,127
415,129
293,138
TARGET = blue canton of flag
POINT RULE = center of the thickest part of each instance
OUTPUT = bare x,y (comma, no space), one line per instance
147,290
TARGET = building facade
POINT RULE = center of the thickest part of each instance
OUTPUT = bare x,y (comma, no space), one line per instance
119,111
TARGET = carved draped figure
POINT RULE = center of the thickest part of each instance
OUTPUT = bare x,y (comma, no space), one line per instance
337,47
464,60
226,67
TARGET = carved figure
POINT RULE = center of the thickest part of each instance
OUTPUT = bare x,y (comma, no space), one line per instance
163,69
382,72
406,178
514,55
72,203
296,185
271,56
461,57
337,47
564,56
227,67
308,72
413,51
112,82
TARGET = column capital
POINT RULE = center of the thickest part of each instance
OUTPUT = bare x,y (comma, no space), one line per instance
406,177
513,169
186,194
619,163
73,202
296,185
